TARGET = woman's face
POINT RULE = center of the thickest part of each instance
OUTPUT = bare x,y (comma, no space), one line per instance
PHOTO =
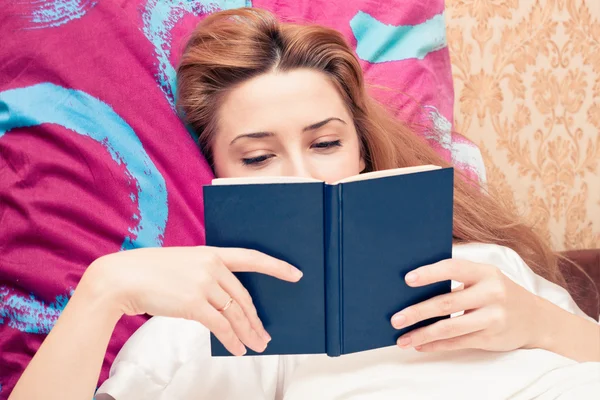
293,124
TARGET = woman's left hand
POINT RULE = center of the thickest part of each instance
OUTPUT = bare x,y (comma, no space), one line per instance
499,314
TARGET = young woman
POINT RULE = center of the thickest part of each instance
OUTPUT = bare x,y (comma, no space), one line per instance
268,98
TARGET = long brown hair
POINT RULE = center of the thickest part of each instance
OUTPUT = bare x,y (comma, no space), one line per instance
231,47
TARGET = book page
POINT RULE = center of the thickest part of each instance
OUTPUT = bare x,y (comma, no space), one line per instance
262,180
387,172
258,180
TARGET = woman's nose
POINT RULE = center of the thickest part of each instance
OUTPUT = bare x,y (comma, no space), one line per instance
297,168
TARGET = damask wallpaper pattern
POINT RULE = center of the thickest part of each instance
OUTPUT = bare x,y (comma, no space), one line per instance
527,84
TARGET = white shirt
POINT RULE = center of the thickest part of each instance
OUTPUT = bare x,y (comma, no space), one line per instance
170,359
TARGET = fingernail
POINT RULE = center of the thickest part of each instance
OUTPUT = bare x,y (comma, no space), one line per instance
411,277
404,341
242,349
260,340
418,347
297,273
398,320
266,336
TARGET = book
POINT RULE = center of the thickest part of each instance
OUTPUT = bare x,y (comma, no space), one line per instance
354,240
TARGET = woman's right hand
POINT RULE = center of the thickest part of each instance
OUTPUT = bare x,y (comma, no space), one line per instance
192,283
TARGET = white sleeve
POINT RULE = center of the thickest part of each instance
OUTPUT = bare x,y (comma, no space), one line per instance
170,358
513,266
469,374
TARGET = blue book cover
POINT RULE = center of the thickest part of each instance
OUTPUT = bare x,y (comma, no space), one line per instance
354,241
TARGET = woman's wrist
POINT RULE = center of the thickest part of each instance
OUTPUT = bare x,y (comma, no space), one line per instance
567,334
99,291
544,326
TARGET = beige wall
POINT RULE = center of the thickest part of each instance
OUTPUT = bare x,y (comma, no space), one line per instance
527,84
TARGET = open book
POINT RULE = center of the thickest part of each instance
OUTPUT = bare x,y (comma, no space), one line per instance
354,240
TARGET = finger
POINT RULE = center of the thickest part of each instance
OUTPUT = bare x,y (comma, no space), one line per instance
244,260
221,328
469,341
463,271
219,298
445,329
459,288
238,292
440,306
242,328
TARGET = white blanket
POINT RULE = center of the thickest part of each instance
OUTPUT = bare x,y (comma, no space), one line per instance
169,359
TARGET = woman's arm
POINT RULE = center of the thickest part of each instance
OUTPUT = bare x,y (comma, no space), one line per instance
68,363
567,334
501,313
181,282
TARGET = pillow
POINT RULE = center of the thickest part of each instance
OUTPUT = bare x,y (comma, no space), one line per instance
94,159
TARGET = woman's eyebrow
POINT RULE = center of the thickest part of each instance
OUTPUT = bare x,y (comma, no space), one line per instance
312,127
253,135
322,123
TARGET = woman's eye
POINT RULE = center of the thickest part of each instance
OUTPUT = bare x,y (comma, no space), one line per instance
327,145
258,160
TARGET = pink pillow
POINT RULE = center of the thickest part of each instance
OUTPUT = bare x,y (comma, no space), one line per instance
94,159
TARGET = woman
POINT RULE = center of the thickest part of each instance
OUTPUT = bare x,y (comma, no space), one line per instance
279,99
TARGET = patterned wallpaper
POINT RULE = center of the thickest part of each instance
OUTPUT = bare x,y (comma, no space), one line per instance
527,84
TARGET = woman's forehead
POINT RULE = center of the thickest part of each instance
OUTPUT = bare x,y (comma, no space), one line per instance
280,100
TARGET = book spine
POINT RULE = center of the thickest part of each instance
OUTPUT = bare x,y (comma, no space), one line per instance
333,268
